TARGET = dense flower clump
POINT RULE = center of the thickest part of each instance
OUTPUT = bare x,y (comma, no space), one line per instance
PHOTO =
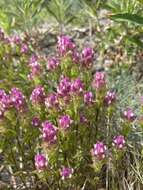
66,115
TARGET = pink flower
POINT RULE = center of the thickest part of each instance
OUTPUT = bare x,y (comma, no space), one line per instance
49,132
51,101
99,150
52,63
64,86
33,58
24,48
34,66
110,98
65,45
129,115
17,99
77,86
88,97
38,95
16,40
66,173
87,56
99,80
119,141
40,162
75,57
65,122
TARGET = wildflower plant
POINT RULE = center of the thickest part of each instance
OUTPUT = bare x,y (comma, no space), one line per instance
60,123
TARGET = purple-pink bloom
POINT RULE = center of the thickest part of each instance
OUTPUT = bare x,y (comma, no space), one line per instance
88,97
66,173
119,141
38,95
110,98
52,63
24,48
64,86
36,122
75,56
35,68
129,114
65,122
40,162
33,58
4,102
16,40
17,99
49,132
65,44
99,150
99,80
51,101
77,86
87,56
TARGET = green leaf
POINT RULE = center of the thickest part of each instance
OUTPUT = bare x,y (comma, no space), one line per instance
128,17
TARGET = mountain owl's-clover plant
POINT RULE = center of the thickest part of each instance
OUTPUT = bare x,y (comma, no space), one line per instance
63,117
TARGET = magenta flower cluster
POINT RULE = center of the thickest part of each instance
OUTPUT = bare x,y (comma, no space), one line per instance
110,98
65,122
38,95
35,67
51,101
49,132
129,115
66,172
119,141
17,99
52,63
4,102
99,150
99,80
40,162
65,44
66,86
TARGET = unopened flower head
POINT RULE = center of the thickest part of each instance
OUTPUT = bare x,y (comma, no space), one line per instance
66,173
83,119
119,141
40,162
36,122
99,150
65,122
49,132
